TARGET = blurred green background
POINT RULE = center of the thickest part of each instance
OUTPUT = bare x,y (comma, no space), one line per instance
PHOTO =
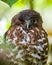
8,8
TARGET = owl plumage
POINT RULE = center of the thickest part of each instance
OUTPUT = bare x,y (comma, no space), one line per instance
27,34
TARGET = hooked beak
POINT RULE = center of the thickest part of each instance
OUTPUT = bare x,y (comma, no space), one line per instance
27,23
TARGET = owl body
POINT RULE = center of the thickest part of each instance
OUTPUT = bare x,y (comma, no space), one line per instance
27,34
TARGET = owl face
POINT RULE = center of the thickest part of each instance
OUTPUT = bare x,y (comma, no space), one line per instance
28,18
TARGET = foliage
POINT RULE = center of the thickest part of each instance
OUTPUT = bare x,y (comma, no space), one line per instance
5,51
3,8
8,25
46,3
6,46
19,3
9,2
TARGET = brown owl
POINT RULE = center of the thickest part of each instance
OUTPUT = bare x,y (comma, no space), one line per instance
29,37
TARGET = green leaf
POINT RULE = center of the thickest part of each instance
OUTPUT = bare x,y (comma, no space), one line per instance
48,3
21,3
8,25
9,2
24,3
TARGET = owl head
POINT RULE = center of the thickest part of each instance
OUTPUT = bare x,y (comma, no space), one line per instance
27,18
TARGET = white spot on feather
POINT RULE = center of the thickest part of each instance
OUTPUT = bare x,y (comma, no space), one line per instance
45,44
9,40
15,37
19,55
15,48
39,48
25,40
14,40
22,42
40,40
32,31
28,38
36,55
10,55
24,32
12,60
14,33
42,35
37,29
19,28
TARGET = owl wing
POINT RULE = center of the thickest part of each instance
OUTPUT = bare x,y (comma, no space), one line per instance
43,45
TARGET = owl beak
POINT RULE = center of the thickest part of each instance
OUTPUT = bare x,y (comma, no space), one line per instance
27,23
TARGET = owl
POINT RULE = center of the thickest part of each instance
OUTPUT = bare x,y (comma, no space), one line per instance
29,38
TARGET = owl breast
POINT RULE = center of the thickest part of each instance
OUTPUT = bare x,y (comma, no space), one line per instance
20,36
34,38
33,41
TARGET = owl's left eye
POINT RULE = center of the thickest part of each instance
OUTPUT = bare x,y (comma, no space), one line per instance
35,21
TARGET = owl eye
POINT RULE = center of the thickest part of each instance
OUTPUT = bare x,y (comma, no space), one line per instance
35,21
